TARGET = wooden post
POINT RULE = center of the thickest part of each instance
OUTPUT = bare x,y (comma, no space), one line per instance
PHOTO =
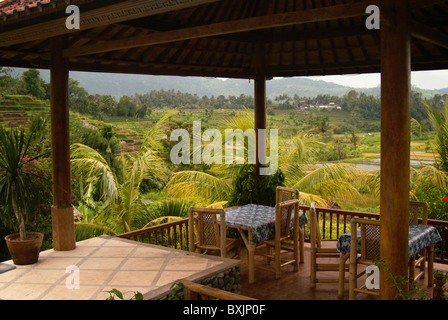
395,139
62,209
260,98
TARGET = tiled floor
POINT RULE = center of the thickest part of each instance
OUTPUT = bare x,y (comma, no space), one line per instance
105,263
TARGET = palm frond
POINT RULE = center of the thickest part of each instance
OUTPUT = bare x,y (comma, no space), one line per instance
244,120
307,198
154,135
90,163
166,211
335,171
218,205
87,230
198,184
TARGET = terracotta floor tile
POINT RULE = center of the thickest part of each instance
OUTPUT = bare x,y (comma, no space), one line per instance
79,251
113,251
51,262
143,264
118,243
100,263
145,252
61,292
170,276
42,276
11,275
187,263
134,278
92,277
23,291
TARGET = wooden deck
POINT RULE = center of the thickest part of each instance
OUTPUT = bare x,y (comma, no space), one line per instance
296,285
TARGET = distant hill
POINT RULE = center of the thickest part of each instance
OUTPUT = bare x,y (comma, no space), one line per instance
127,84
443,91
124,84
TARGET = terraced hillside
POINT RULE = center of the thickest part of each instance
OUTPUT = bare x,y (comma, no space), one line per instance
130,140
16,110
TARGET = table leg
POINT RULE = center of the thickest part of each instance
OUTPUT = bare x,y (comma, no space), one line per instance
342,260
302,243
296,247
250,246
251,258
431,265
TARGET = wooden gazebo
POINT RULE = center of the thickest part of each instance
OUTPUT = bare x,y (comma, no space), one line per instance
252,39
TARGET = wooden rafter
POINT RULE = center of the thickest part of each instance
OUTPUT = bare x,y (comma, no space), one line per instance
425,33
227,27
123,11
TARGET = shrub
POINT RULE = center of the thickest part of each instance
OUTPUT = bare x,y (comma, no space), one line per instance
249,188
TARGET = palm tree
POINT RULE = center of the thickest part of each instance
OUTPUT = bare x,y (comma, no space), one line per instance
439,122
320,184
120,200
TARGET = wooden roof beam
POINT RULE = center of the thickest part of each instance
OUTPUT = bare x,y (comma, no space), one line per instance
425,33
228,27
119,12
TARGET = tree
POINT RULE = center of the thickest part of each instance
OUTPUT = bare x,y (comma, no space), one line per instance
121,201
354,139
142,111
439,122
34,84
10,84
78,97
107,104
126,107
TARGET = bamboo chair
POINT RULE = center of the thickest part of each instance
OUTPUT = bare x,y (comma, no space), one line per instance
370,251
210,234
418,209
285,194
279,246
325,249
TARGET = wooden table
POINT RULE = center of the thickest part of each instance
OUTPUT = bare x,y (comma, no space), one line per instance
255,224
420,237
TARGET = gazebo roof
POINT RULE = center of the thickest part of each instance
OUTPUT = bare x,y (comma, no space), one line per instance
215,38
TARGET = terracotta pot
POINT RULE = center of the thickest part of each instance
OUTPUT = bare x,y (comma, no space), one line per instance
24,251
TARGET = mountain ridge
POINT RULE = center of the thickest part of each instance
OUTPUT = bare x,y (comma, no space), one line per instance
118,85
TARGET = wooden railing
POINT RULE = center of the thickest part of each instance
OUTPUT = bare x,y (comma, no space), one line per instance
334,223
171,234
196,291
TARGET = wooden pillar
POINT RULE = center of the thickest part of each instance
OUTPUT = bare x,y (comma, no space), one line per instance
259,97
62,209
395,139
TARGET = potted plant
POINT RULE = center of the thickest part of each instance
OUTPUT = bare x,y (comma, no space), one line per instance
19,190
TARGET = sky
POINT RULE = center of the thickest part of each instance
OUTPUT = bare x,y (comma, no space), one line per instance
422,79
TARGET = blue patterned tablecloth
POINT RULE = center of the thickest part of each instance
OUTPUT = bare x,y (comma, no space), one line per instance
261,219
420,237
